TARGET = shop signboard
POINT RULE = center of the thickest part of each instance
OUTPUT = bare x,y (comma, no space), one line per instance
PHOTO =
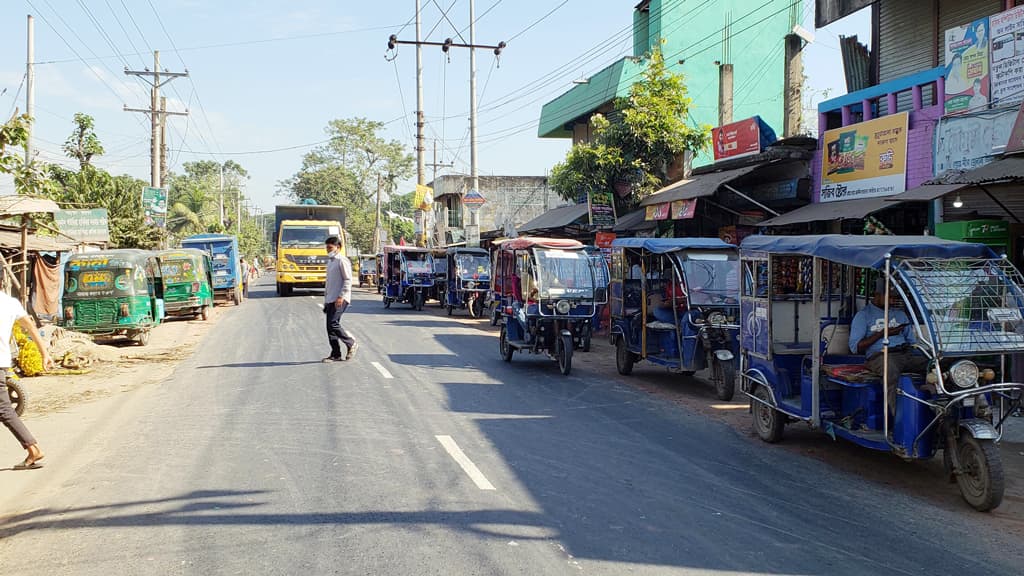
658,211
84,225
601,206
1006,52
684,209
973,140
1016,142
865,160
423,199
967,78
154,206
736,140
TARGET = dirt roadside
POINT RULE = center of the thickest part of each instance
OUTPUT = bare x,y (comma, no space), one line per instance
922,479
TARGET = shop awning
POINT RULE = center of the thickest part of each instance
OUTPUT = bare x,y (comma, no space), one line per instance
556,218
1008,168
699,185
824,211
925,193
14,205
12,240
635,221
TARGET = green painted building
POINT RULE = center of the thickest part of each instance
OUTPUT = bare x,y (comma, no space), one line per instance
698,36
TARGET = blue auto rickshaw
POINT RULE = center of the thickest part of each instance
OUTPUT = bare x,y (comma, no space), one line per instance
674,302
955,306
408,275
467,279
227,270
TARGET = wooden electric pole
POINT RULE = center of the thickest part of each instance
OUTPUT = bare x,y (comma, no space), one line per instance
156,78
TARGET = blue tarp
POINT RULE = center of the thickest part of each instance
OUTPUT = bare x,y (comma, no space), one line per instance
865,251
665,245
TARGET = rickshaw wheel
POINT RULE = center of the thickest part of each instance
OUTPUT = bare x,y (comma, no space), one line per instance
418,301
494,315
981,473
724,377
588,333
205,313
142,338
476,309
17,396
450,308
623,357
503,347
387,302
565,346
768,422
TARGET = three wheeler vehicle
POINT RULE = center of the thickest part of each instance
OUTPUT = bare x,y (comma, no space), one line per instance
114,293
955,307
188,282
367,270
550,289
467,280
675,303
408,275
440,287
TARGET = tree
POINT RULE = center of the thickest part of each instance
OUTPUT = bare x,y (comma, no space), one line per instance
29,178
83,143
196,196
649,134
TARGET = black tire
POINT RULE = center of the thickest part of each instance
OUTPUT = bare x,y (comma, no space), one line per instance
142,338
278,290
476,308
981,478
768,422
723,374
450,309
236,295
418,300
504,349
205,312
624,359
494,315
588,334
387,302
564,354
17,395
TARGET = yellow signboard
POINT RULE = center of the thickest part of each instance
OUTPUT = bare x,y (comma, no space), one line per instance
424,198
865,160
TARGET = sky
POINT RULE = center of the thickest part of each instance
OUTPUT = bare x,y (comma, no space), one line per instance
266,76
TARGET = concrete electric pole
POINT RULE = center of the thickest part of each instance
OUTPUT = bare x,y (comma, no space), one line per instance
30,85
156,115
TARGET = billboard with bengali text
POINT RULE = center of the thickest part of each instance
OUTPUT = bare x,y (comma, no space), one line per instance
865,160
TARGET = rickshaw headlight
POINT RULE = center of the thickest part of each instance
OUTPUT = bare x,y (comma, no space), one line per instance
124,310
69,312
470,285
964,374
988,374
563,307
716,318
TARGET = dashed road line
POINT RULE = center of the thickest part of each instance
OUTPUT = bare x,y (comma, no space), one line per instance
467,465
383,371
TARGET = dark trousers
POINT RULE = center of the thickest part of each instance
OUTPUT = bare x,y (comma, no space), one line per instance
336,333
10,419
899,363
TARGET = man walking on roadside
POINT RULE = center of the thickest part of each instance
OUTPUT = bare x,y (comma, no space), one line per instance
11,311
337,297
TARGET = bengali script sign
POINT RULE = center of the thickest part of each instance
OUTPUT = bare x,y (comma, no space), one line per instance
865,160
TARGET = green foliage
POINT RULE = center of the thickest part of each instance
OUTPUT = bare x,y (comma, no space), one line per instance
29,179
345,171
83,143
650,134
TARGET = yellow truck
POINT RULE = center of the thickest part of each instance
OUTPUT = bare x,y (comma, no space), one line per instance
299,234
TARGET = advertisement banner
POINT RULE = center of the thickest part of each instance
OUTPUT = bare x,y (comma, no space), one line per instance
602,209
154,206
658,212
1006,52
738,139
84,225
967,81
865,160
970,141
423,199
684,209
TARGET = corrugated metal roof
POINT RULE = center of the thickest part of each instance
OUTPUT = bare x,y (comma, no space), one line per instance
634,221
700,185
924,193
1004,169
16,205
556,218
824,211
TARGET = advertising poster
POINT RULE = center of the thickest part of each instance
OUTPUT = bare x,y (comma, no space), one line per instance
154,206
738,139
84,225
865,160
424,198
1006,53
658,212
684,209
972,140
967,80
602,209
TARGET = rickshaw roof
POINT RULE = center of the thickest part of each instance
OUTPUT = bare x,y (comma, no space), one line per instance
396,248
121,257
526,242
865,251
175,252
465,250
666,245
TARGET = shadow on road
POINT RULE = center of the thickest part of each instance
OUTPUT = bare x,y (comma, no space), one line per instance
259,364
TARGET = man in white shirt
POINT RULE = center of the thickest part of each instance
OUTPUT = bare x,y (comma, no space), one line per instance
337,297
11,311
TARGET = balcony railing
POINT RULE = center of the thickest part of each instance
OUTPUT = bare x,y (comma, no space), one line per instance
868,100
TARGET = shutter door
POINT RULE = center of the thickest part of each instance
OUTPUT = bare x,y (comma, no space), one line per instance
1012,196
906,42
954,13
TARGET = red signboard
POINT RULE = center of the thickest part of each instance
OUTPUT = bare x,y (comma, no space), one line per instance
603,240
684,209
658,211
741,138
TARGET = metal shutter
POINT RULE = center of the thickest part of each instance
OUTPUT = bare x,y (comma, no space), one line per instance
906,42
958,12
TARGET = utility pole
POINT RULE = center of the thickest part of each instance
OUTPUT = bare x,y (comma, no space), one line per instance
473,174
153,78
163,139
421,176
435,164
377,227
30,85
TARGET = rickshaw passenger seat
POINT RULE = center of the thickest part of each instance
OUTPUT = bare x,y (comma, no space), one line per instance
836,339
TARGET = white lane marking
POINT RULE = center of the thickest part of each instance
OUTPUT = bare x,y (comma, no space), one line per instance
467,465
383,371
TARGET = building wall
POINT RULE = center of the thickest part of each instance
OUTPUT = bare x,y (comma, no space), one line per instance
521,198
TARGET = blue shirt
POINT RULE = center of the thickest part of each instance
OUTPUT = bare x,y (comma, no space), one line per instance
871,320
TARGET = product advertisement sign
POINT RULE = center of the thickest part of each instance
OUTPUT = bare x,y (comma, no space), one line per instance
684,209
738,139
865,160
967,81
1007,56
658,211
602,209
154,206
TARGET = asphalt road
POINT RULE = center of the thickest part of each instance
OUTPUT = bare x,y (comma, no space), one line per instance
429,455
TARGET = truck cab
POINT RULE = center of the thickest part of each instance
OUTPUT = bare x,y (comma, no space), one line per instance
300,234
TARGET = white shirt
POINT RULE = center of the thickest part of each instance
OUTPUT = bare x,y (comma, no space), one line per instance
10,310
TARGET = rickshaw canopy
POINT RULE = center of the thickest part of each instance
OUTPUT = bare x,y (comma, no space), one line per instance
667,245
865,251
395,248
463,250
527,242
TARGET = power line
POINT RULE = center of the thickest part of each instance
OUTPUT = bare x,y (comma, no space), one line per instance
541,19
444,15
493,6
123,29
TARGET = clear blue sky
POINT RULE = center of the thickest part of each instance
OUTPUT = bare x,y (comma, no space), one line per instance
267,75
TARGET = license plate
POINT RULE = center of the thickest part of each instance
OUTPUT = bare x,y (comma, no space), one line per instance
968,402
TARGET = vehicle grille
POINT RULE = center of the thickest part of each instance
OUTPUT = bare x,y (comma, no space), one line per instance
96,313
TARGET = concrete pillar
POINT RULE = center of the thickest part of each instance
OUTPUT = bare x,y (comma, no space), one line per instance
794,77
865,106
845,111
916,97
891,103
724,94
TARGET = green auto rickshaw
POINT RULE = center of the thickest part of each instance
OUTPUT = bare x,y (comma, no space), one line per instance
114,293
188,282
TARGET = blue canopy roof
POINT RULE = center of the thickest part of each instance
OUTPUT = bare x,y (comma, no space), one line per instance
865,251
665,245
